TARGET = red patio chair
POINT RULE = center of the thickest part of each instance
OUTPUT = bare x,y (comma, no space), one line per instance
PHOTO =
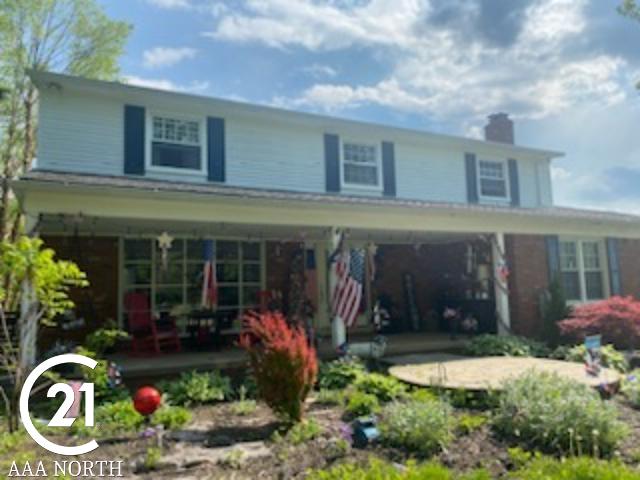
148,336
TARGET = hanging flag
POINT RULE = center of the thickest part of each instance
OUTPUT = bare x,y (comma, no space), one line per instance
209,280
347,294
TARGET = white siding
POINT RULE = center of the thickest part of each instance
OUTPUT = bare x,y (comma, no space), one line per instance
528,180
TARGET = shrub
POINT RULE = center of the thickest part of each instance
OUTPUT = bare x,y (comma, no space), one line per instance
195,388
171,417
300,433
384,387
104,339
505,345
423,395
340,373
469,422
631,388
284,365
611,358
617,319
330,397
361,403
419,426
577,468
547,412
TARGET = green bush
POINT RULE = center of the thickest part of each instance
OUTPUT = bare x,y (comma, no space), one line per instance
300,433
554,414
631,388
361,403
195,388
171,417
469,422
611,358
577,468
340,373
330,397
505,345
423,395
384,387
419,426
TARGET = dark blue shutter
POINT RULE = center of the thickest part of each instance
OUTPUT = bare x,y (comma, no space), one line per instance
332,162
553,256
472,177
614,266
388,169
134,120
514,182
215,149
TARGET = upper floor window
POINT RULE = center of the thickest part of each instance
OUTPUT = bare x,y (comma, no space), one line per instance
176,143
492,179
582,268
360,165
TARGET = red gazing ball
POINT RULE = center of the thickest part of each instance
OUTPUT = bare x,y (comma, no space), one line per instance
147,400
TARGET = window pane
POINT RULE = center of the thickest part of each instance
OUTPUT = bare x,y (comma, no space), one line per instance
251,272
228,297
175,156
194,295
194,273
227,272
171,275
568,256
227,250
360,174
491,169
250,296
251,251
137,274
571,284
168,297
137,249
493,188
357,153
195,249
175,130
591,255
594,285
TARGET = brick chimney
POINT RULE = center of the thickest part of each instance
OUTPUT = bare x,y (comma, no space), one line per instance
499,128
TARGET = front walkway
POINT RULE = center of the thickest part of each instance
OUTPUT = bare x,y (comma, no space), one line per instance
232,358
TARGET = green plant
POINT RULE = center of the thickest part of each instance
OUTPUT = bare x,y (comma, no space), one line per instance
554,309
104,390
418,426
505,345
195,388
243,406
171,417
469,422
303,432
423,395
111,418
234,460
284,365
578,468
330,397
610,357
152,458
341,373
384,387
631,388
554,414
361,403
104,338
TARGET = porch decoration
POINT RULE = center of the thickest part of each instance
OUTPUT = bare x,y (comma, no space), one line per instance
347,294
164,243
146,400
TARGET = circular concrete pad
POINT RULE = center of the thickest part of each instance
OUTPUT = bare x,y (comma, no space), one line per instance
490,373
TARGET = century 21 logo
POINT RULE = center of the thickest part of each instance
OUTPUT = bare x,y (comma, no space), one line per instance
60,419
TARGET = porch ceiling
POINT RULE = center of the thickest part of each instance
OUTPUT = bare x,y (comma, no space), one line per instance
139,200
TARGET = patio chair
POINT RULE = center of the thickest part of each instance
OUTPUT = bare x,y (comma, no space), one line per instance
149,336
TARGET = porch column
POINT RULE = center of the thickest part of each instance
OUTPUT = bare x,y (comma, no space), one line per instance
338,328
501,283
323,315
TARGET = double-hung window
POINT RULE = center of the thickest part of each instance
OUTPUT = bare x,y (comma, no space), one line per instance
582,267
176,143
492,180
360,165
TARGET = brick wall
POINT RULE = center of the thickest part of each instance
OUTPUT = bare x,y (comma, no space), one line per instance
629,257
529,276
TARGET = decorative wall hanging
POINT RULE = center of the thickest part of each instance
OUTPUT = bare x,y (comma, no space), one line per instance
164,244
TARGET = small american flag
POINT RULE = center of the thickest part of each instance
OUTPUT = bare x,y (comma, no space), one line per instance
209,281
347,294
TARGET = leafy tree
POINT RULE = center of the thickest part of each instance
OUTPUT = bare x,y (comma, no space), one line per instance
37,290
70,36
631,9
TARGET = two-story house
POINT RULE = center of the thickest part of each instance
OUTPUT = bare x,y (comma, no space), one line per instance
455,222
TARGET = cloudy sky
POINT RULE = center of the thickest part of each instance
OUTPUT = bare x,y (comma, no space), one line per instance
564,69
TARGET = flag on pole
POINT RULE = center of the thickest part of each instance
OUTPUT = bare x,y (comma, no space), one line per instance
209,280
347,293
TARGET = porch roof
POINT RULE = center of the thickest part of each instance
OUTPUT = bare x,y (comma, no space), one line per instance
128,197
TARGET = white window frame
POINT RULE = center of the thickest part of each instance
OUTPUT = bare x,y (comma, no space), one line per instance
378,160
204,168
582,280
505,169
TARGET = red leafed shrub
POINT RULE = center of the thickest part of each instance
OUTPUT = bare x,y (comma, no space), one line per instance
616,319
284,365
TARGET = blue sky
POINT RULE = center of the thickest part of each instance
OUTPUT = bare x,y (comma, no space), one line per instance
564,69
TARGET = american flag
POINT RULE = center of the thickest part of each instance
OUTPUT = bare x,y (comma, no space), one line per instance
209,281
347,293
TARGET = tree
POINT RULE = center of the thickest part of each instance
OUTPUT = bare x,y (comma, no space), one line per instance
631,9
70,36
37,290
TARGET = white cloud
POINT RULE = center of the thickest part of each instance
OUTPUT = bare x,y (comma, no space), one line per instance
318,70
166,56
198,86
170,3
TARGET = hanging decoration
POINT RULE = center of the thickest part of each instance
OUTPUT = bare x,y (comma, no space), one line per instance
164,244
502,267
